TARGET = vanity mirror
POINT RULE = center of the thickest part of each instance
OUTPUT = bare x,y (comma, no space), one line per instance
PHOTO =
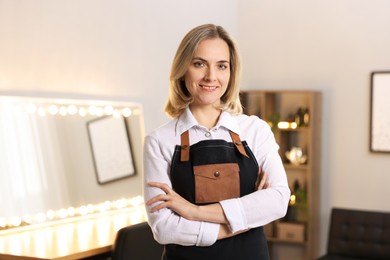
49,161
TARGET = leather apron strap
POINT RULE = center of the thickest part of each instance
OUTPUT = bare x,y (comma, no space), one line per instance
185,145
237,142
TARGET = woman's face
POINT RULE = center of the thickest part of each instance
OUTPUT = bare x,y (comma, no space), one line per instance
208,75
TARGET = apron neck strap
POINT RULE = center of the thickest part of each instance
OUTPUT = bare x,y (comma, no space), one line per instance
185,145
237,142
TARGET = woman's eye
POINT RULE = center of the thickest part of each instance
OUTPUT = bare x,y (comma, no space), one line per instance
198,64
223,66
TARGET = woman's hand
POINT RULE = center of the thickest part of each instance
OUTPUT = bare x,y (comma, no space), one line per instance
262,181
173,201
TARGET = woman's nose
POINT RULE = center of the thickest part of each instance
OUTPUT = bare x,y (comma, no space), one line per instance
210,74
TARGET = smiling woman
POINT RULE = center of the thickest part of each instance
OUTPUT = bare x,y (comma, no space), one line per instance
46,160
206,196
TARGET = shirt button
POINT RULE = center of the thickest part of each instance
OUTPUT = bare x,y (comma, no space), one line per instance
208,134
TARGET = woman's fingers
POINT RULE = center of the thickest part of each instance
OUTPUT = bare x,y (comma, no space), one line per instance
161,197
158,207
161,185
263,182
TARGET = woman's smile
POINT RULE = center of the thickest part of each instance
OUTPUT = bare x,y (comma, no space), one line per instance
208,88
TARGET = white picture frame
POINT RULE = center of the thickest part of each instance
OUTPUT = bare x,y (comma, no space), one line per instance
380,112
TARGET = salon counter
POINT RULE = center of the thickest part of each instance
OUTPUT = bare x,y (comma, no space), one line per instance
71,238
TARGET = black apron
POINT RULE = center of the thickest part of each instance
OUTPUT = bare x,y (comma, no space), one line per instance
250,245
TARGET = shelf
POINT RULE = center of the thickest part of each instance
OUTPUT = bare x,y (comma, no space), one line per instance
289,166
286,106
298,129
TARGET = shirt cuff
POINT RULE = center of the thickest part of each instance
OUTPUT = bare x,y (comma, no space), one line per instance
208,234
233,212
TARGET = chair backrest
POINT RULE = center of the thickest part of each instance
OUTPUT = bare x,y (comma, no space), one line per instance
358,233
136,242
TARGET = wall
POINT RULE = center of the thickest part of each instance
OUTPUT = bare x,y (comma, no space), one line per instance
331,46
125,49
96,47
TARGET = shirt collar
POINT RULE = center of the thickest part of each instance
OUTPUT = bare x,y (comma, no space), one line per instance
186,121
228,121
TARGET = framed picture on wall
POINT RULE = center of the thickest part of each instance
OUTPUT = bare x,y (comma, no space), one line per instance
111,148
380,112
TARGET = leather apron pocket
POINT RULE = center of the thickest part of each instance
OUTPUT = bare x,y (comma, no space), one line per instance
216,182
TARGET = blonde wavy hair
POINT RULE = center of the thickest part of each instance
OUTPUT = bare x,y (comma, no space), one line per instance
179,97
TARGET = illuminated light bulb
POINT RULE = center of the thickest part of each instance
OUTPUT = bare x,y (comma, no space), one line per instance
63,111
31,108
293,125
121,203
53,110
16,221
72,109
71,211
287,125
82,111
108,204
108,110
41,111
136,201
3,222
40,217
62,213
27,218
90,208
283,125
292,199
105,206
50,214
99,111
126,112
92,110
116,114
83,210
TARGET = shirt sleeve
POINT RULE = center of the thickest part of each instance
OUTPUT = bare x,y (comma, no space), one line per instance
263,206
168,227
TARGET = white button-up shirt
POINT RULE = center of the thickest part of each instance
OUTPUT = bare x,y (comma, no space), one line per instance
250,211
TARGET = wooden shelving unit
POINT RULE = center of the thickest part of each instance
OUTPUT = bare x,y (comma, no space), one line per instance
273,107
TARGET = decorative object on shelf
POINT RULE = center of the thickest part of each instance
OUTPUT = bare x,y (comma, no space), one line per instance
306,117
299,117
273,121
297,206
380,116
302,117
291,231
296,156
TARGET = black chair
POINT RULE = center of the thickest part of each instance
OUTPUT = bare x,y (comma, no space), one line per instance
136,242
358,234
